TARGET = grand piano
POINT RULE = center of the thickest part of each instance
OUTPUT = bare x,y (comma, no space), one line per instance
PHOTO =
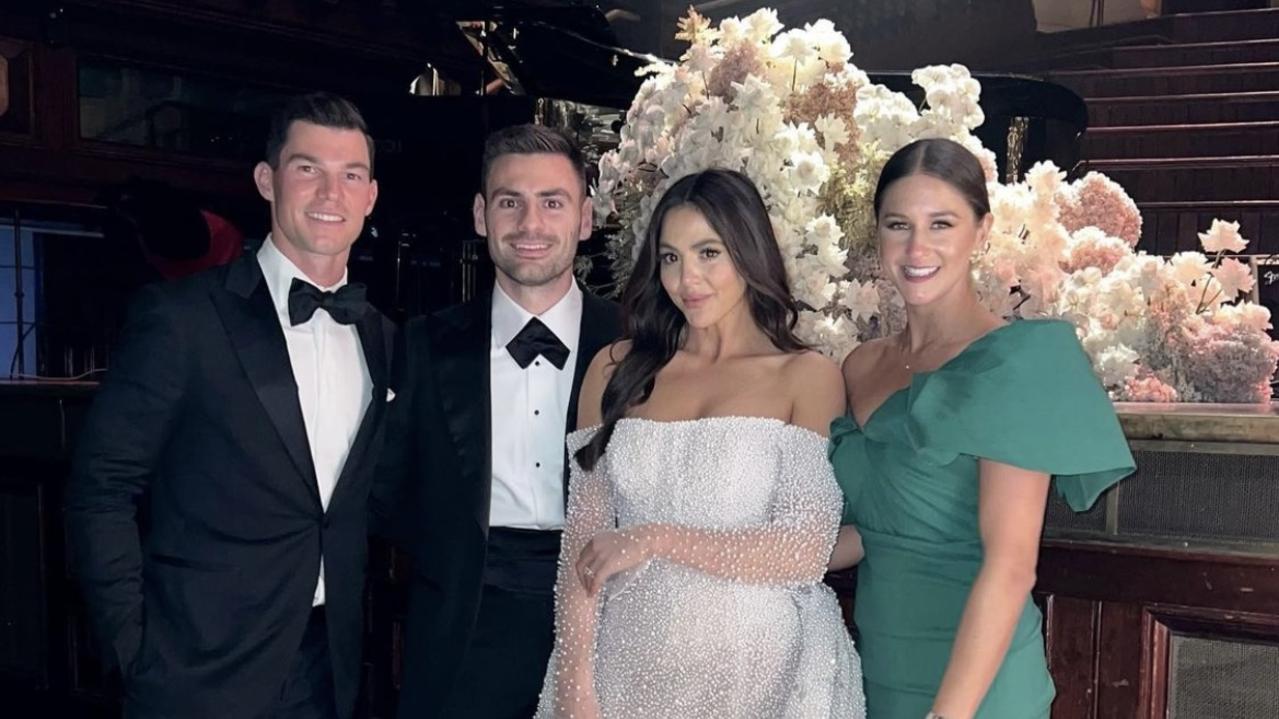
560,64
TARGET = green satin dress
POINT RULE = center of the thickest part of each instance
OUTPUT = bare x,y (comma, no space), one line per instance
1023,395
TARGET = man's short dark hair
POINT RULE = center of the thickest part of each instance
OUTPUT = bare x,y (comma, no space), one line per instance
318,108
530,140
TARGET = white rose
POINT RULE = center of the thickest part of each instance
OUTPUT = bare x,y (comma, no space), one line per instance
861,299
808,171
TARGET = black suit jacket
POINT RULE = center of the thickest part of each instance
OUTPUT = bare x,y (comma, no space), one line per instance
437,473
198,425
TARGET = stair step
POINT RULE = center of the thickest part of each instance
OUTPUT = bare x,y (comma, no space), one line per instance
1169,227
1194,179
1201,53
1174,80
1171,7
1181,109
1220,139
1158,55
1193,28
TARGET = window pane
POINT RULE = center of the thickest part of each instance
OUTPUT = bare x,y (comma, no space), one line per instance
174,111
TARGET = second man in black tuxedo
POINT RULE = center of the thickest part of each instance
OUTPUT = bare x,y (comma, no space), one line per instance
243,414
475,447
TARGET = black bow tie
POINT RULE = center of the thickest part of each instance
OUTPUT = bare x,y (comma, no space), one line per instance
346,306
537,339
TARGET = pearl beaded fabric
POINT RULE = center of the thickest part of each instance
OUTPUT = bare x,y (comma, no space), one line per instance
733,621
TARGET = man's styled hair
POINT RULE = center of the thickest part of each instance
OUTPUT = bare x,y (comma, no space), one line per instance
530,140
318,108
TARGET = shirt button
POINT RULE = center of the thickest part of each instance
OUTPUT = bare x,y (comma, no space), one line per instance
537,412
537,464
537,363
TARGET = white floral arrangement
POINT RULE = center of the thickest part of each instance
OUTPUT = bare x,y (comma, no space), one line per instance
790,110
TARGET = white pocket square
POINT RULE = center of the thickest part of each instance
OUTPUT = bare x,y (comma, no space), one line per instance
390,394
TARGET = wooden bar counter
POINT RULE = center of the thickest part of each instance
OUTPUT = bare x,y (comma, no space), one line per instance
1161,601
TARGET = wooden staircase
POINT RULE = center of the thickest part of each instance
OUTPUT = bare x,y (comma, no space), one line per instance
1184,113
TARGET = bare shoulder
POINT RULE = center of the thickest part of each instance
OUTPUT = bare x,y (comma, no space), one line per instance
589,404
810,368
817,390
863,357
607,359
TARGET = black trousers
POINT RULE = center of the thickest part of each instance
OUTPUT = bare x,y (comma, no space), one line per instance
505,663
308,691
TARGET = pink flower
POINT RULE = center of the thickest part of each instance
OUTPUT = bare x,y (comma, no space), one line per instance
1147,387
1245,314
1223,237
740,61
1189,267
1230,364
1234,276
1093,248
1098,201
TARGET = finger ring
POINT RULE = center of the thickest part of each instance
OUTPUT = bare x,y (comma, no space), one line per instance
589,571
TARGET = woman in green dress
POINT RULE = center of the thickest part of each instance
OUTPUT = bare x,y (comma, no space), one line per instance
958,426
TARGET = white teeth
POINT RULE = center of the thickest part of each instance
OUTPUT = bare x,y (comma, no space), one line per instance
324,217
919,272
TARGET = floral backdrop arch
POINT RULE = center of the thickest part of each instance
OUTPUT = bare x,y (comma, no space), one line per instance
790,109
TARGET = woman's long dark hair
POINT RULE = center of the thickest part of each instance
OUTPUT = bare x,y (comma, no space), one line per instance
655,327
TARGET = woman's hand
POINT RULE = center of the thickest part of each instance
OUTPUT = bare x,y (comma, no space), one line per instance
610,553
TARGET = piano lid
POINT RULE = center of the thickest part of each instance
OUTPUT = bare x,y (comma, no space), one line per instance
566,49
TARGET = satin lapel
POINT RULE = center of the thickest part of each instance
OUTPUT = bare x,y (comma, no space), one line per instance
460,356
373,343
601,326
254,328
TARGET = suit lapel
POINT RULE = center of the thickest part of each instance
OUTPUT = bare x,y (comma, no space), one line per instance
373,343
254,328
460,354
601,325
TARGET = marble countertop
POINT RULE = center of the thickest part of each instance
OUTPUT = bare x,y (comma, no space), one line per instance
1200,422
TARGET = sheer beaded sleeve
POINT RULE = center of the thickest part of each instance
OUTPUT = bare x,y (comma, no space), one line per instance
570,681
728,617
791,549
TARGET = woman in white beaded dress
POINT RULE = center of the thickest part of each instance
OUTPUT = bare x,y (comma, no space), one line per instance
702,509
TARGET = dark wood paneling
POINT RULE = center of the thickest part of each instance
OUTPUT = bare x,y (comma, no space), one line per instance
1112,611
1146,575
1119,667
1071,644
361,50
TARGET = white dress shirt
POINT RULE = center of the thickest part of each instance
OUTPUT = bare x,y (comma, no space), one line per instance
334,387
529,411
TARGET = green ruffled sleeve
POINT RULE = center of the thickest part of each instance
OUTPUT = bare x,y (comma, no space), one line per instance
845,439
1026,396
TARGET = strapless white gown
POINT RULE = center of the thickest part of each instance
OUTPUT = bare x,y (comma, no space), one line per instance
752,632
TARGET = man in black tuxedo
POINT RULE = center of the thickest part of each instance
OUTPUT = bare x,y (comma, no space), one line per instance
242,415
475,440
